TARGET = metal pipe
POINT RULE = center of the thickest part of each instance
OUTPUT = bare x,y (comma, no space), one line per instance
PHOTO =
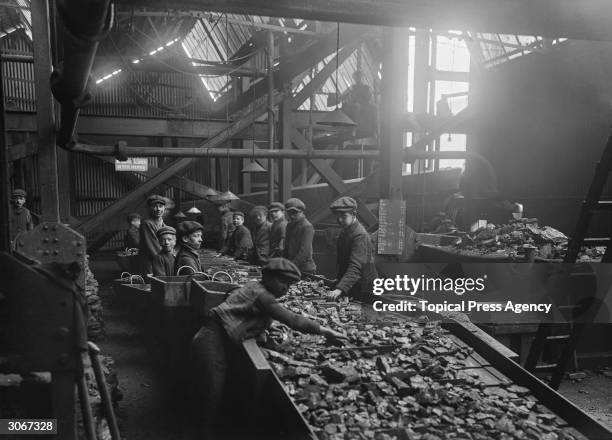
85,23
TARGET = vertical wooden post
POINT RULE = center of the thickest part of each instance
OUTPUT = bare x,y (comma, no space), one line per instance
421,80
285,164
47,156
270,115
393,106
5,181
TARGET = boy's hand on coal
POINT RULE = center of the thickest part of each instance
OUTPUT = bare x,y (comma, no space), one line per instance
333,335
334,294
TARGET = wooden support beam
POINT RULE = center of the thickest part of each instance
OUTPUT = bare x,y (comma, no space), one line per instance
332,178
47,156
586,19
285,165
172,169
5,182
394,99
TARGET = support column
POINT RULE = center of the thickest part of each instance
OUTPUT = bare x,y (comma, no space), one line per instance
5,182
393,107
270,115
285,184
421,82
47,156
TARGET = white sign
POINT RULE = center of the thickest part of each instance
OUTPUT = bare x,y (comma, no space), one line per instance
132,164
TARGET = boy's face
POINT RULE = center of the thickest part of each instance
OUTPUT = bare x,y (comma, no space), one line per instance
277,215
19,201
157,210
237,220
259,218
167,242
278,286
294,215
345,219
135,222
194,239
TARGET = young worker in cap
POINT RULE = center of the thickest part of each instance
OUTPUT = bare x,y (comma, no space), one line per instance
277,229
299,236
260,233
356,269
132,235
163,263
21,219
246,313
240,243
190,234
149,245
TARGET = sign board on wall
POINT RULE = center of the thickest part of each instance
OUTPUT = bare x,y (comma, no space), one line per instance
391,226
132,164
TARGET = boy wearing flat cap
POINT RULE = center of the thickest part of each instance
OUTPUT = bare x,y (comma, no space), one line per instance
240,243
299,236
261,235
190,234
246,313
356,269
21,219
163,263
277,229
149,245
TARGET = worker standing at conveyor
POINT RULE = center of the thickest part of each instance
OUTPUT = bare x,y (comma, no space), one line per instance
241,243
299,236
190,236
149,244
246,313
227,224
21,218
278,229
356,269
163,263
132,235
261,235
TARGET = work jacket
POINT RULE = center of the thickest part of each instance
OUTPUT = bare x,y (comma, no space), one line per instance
149,244
261,243
20,221
187,256
163,264
241,243
132,238
356,269
278,230
227,229
298,245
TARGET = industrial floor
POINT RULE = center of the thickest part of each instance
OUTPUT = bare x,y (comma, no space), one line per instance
147,411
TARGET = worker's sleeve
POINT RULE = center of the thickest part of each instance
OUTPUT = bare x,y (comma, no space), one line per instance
305,253
148,239
243,243
357,258
158,267
132,238
283,234
29,223
270,306
263,243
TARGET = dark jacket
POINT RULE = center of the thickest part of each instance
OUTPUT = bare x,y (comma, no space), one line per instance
187,256
277,238
149,245
241,243
227,228
163,264
356,269
20,221
132,238
261,243
298,245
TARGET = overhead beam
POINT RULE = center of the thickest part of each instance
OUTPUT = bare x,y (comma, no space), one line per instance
332,178
585,20
172,169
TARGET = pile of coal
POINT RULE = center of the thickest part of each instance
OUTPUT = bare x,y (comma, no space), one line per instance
95,321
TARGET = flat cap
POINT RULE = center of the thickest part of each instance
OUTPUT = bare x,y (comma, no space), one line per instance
189,227
274,206
165,230
294,204
18,193
344,204
238,213
282,267
155,198
257,209
133,216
